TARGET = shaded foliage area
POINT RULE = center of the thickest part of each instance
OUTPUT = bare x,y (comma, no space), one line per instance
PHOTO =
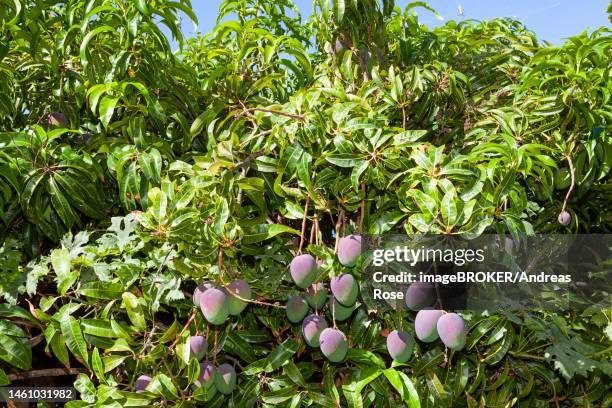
129,174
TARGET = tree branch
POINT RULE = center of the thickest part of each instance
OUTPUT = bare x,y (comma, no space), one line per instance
46,372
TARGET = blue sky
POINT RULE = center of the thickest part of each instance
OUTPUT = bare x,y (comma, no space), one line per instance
552,20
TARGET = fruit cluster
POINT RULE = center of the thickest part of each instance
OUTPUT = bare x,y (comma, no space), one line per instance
216,304
219,303
431,324
221,379
344,288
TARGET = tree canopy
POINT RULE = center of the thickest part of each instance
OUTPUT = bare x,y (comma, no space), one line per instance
130,173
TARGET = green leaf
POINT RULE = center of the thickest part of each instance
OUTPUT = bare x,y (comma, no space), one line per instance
364,357
345,159
339,8
83,49
162,385
102,290
10,329
280,355
425,202
267,231
3,378
294,373
134,310
141,5
59,349
98,327
235,344
404,386
107,107
352,390
16,351
357,172
97,365
322,399
60,260
74,338
279,396
420,222
448,207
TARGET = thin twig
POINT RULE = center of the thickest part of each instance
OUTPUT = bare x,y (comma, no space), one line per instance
312,234
235,361
185,327
362,214
280,113
207,337
216,345
249,159
333,311
255,302
338,226
527,356
220,265
35,341
304,223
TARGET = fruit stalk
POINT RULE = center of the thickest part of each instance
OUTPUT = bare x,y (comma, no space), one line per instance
572,181
304,223
362,209
338,226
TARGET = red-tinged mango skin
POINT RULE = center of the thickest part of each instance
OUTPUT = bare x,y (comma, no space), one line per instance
452,331
420,295
297,309
57,120
400,345
345,289
215,306
207,379
426,324
312,326
564,218
238,288
142,382
333,344
225,379
349,249
198,346
201,289
303,270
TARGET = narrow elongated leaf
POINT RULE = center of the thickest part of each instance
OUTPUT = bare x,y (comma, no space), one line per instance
267,231
66,277
74,338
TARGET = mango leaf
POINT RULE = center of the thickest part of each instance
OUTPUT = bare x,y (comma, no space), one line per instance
404,386
267,231
73,335
280,355
60,260
107,108
16,351
134,310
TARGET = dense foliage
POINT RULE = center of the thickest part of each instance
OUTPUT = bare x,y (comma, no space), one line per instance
129,174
